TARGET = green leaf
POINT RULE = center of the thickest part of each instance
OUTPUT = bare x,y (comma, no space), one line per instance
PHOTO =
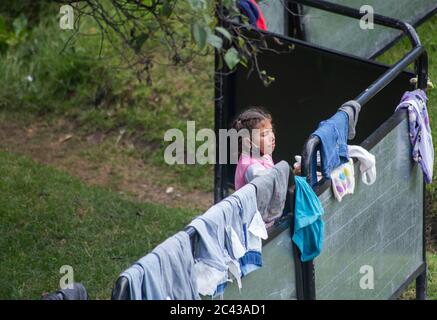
166,9
197,4
200,35
139,41
224,32
232,58
215,41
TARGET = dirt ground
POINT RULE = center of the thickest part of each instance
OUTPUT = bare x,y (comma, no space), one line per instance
97,159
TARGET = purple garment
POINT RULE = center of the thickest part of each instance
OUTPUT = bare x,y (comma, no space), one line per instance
420,130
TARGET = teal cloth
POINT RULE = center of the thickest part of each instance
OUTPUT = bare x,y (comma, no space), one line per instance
308,223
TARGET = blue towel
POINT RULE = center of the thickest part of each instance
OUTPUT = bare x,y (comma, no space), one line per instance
308,223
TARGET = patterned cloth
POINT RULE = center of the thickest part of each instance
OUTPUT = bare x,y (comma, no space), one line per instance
420,130
343,180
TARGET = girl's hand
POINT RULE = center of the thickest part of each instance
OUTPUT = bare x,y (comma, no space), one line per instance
297,166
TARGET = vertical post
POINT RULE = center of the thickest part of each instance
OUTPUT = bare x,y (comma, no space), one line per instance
422,83
294,25
309,154
218,114
421,286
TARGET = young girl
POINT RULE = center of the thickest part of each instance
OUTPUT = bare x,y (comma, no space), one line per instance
255,151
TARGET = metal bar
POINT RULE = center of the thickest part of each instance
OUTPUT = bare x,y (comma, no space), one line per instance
312,143
355,13
218,110
390,75
416,24
421,284
407,282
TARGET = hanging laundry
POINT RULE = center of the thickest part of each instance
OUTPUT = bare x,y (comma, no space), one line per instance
167,273
253,225
352,108
211,257
420,130
230,244
367,163
333,135
343,180
308,224
251,10
271,192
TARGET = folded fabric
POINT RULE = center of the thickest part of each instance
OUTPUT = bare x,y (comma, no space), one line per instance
308,224
177,267
253,228
144,279
210,250
271,192
260,22
420,130
343,180
367,163
230,245
352,108
333,135
167,273
251,10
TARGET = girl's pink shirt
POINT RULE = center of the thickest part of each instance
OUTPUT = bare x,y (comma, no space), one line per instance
245,162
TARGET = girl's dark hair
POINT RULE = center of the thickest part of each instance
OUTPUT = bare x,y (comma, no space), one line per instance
250,119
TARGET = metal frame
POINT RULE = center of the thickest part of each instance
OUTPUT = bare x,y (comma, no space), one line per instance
299,32
418,55
305,278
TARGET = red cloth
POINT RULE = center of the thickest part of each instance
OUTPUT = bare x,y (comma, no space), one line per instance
261,22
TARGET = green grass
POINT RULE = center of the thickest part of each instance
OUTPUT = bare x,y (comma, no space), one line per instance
102,93
49,219
410,293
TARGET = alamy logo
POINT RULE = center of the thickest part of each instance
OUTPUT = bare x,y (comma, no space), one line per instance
366,21
367,281
183,150
67,280
66,22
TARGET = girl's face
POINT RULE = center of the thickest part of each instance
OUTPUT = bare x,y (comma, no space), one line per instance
266,138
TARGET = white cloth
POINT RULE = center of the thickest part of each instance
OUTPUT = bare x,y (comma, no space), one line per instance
208,278
343,180
367,163
257,233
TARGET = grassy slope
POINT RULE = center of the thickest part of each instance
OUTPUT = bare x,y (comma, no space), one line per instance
101,94
49,219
